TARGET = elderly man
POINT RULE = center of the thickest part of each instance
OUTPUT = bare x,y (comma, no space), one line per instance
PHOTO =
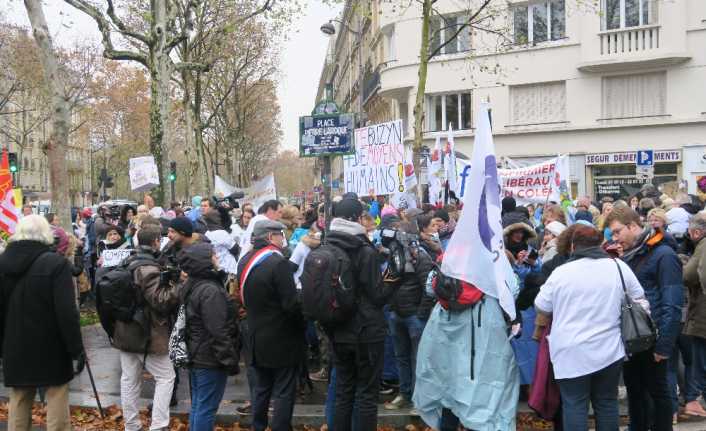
275,324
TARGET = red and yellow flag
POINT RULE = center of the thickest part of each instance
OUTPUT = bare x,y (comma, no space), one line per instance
9,215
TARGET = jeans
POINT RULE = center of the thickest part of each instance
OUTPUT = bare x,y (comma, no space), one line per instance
698,369
207,388
389,371
646,380
406,333
162,370
358,373
683,350
280,386
601,389
449,421
330,406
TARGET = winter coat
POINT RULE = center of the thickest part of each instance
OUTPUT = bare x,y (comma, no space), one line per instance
408,295
159,302
275,322
211,334
659,271
368,325
40,326
695,281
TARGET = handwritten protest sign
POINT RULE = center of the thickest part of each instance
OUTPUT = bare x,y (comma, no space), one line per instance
537,183
143,174
115,257
377,167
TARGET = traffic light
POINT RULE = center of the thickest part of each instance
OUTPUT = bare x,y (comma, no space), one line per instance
109,182
12,158
172,171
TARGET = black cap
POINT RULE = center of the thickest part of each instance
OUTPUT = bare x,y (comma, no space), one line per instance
349,209
182,226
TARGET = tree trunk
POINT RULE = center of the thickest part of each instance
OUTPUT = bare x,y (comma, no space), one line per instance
198,135
61,117
421,90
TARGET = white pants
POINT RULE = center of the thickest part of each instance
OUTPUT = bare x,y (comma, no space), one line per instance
131,384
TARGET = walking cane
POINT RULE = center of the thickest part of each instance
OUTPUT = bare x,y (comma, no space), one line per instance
93,385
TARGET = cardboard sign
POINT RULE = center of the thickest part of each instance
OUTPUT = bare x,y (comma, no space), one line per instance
378,165
115,257
143,174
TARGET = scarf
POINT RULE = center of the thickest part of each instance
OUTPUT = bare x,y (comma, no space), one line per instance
648,238
596,252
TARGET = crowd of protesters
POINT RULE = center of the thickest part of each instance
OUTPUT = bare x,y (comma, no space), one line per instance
235,275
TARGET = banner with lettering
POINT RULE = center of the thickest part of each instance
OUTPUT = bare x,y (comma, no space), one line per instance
538,183
378,165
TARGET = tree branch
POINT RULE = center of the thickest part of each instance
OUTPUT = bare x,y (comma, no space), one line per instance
458,31
122,27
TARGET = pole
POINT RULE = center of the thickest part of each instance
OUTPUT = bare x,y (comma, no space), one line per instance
326,180
173,185
93,385
360,69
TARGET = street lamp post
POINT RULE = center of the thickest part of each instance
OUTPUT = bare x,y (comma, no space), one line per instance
329,29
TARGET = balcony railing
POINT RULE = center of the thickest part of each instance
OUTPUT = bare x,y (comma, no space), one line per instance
371,85
629,40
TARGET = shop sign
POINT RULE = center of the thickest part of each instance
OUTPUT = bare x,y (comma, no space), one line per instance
630,157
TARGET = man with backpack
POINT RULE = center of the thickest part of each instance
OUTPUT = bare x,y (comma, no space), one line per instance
275,325
358,342
144,341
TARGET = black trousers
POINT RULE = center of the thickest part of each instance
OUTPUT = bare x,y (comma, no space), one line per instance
646,381
358,373
280,386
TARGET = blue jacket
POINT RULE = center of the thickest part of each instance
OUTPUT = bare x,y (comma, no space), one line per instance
659,271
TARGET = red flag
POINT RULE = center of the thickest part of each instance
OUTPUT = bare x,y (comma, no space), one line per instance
8,211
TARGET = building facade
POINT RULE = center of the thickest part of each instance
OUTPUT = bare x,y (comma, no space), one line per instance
563,77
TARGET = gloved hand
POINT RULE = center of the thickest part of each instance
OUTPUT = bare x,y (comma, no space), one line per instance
79,363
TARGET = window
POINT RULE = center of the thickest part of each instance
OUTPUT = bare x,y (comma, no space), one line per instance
628,13
26,164
630,96
444,28
539,22
445,109
390,51
404,115
538,103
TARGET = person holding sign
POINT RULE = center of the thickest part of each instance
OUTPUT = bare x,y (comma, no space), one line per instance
114,240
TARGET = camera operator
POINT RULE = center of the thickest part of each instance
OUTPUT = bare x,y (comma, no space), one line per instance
181,235
408,267
147,346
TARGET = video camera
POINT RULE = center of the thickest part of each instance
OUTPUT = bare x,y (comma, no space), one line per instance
169,275
229,202
398,247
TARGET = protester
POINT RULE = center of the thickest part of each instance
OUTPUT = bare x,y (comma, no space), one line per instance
144,345
126,215
429,235
510,214
212,334
27,210
695,327
237,229
358,344
290,218
41,334
181,235
551,233
405,324
658,269
275,325
270,210
584,298
225,248
310,217
446,226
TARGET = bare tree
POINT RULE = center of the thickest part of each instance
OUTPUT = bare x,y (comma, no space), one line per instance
61,118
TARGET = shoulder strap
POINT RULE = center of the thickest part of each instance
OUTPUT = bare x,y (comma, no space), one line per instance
622,281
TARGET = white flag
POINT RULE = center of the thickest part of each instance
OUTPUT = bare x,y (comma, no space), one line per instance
410,177
434,174
477,243
450,161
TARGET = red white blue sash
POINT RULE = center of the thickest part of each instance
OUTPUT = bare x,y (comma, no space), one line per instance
257,258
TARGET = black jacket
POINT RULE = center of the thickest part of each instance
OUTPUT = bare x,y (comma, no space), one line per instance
40,330
409,294
275,322
211,329
368,325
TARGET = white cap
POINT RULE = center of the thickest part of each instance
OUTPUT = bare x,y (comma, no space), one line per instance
556,228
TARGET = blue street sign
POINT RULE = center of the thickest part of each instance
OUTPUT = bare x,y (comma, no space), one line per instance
322,135
645,158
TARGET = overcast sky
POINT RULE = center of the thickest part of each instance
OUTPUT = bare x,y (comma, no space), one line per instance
302,55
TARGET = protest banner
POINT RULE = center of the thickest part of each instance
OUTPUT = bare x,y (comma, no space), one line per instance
221,188
143,174
113,258
403,201
378,165
261,191
538,183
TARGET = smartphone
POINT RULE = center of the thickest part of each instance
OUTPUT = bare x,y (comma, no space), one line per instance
533,254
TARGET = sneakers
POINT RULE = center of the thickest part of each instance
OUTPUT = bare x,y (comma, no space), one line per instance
388,387
400,402
245,409
321,376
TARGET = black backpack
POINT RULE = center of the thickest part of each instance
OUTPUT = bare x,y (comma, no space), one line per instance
117,296
328,286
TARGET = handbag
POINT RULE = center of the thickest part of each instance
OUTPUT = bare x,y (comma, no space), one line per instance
636,326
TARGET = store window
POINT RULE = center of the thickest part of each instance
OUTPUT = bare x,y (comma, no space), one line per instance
445,109
628,13
620,181
539,22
